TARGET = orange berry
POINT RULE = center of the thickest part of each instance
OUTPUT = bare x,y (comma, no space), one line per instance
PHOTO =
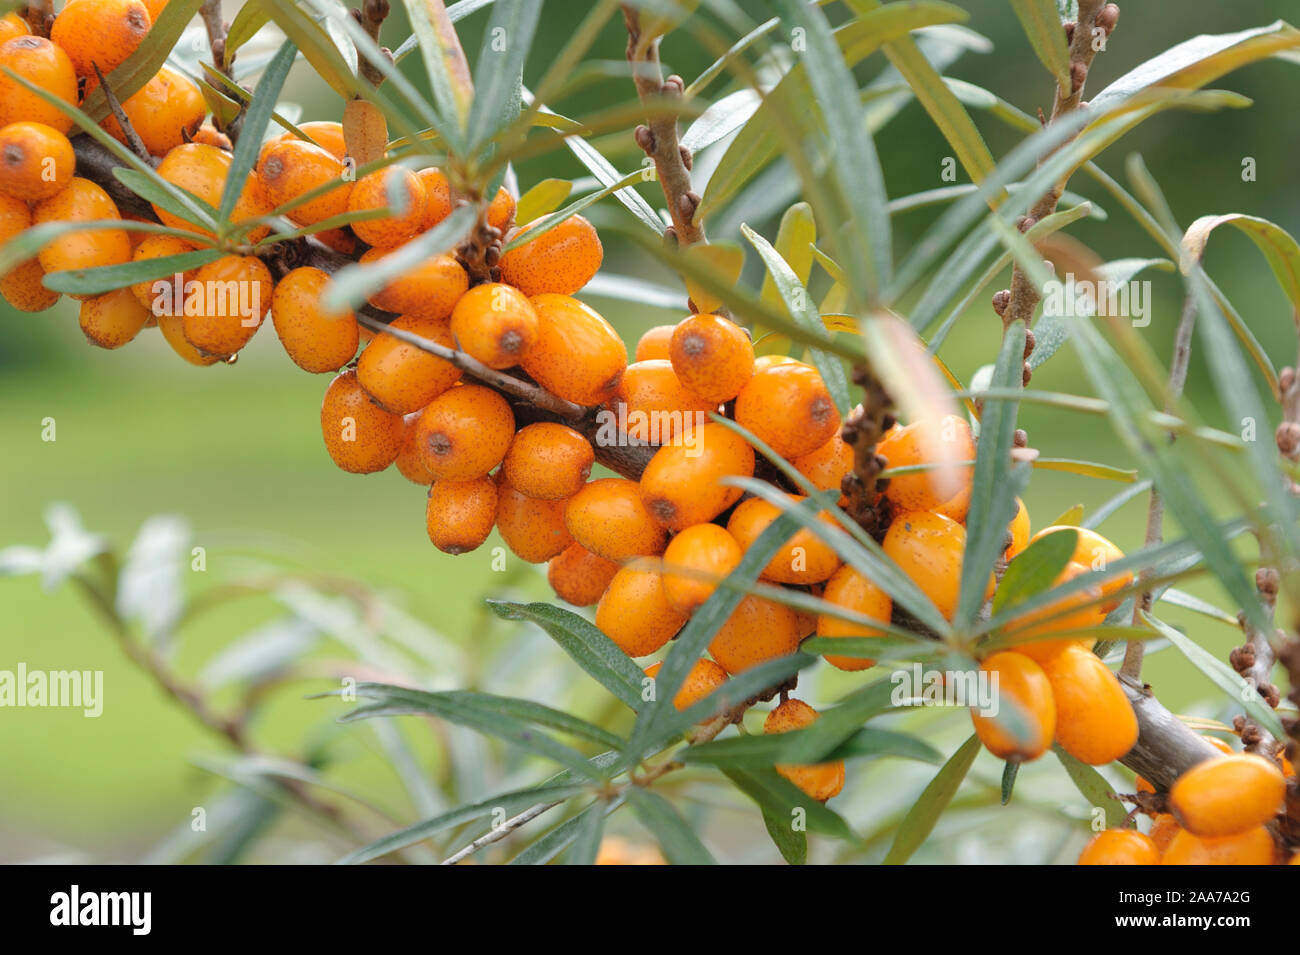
374,191
12,25
173,331
1227,794
1096,553
43,64
655,344
651,405
1252,847
758,630
1094,721
464,432
316,340
945,443
166,112
293,168
24,289
437,190
15,217
820,781
81,201
635,613
533,529
360,436
460,514
1092,615
682,485
850,590
401,377
149,293
325,134
609,518
409,460
929,548
704,677
803,559
113,319
1024,730
36,161
578,576
209,135
201,170
100,33
695,561
501,211
712,356
1120,847
826,466
430,290
1019,531
577,356
494,323
789,408
548,461
230,298
561,260
1163,829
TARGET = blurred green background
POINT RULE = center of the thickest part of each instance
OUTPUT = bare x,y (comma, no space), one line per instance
237,449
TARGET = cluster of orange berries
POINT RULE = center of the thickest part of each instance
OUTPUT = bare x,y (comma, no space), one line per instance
1219,810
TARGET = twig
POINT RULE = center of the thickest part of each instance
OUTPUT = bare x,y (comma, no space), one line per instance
211,14
1023,297
659,138
500,832
371,16
133,139
39,16
1134,652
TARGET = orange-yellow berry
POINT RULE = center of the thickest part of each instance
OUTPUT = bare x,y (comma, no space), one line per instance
1094,721
820,781
100,33
704,677
826,467
1024,719
695,561
430,290
1227,794
1076,611
579,576
166,112
533,529
577,355
682,484
651,405
1019,531
410,462
803,559
849,590
460,514
230,298
494,323
316,340
82,201
464,432
1097,554
44,65
1120,847
609,518
548,461
402,377
789,408
161,291
946,445
712,356
36,161
23,287
1252,847
758,630
635,613
929,548
376,191
294,168
655,344
360,436
561,260
113,319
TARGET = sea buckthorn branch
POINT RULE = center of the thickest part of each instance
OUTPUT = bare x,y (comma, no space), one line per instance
210,13
659,137
1022,298
863,429
39,16
371,15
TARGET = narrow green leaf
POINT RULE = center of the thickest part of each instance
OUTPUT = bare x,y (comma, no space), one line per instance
678,840
790,842
586,840
921,818
112,277
1094,788
788,804
1046,33
542,198
1035,569
499,73
153,189
444,62
594,652
1087,469
256,121
550,846
1180,598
